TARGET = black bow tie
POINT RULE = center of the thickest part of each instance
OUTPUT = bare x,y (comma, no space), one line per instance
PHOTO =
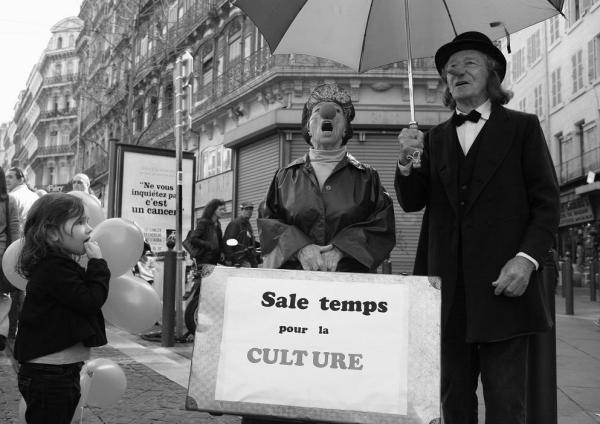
459,119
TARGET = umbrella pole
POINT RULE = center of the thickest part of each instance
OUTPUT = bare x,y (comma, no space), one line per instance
411,93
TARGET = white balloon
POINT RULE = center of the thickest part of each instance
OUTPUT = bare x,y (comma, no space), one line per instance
107,382
92,207
132,304
121,243
9,264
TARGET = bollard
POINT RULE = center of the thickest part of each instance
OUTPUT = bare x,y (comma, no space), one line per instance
168,311
595,269
386,266
568,286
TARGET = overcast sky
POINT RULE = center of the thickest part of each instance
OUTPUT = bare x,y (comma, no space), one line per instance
24,33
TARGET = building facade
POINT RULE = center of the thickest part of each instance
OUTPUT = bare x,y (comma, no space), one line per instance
554,71
46,113
111,80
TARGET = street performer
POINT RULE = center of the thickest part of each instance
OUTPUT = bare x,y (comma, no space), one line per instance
326,211
491,200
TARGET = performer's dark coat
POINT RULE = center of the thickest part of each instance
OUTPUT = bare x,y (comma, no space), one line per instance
353,212
512,206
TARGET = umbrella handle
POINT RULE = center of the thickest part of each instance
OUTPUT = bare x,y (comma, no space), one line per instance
415,157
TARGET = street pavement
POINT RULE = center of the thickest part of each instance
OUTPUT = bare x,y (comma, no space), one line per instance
157,377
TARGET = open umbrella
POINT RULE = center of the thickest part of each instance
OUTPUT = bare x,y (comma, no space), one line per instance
366,34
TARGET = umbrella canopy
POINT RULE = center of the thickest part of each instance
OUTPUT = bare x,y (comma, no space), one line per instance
366,34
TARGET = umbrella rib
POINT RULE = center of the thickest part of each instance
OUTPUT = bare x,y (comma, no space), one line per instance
450,17
362,50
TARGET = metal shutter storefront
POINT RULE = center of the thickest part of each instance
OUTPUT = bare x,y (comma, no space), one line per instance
381,151
257,163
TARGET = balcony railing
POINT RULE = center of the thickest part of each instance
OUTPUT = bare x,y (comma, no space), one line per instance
72,112
579,166
262,64
57,79
47,151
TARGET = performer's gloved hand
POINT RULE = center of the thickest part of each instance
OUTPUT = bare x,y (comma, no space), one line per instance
331,256
310,257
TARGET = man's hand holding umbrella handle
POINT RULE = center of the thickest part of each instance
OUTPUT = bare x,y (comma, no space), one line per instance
514,277
411,146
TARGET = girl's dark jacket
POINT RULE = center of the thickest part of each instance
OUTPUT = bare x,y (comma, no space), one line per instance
62,307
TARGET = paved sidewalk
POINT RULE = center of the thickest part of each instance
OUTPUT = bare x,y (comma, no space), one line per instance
157,377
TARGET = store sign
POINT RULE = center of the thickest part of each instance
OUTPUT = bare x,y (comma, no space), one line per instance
576,211
339,347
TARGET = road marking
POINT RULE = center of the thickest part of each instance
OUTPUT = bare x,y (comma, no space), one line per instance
171,365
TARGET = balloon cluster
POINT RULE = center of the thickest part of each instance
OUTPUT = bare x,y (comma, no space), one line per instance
102,382
132,304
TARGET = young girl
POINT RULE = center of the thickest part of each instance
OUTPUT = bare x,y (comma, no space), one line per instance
61,318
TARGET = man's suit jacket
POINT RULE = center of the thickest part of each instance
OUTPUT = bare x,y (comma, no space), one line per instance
512,206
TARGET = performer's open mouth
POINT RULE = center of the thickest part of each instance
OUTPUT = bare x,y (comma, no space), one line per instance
326,126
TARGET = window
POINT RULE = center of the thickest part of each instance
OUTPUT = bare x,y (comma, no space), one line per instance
523,104
554,29
577,71
53,137
215,160
556,87
207,71
235,41
507,77
57,69
533,48
594,58
537,101
70,67
518,67
248,46
59,43
71,40
591,158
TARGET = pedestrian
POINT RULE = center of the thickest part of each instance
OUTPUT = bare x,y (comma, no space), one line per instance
81,182
326,211
9,232
25,197
61,317
491,200
206,240
205,245
16,183
243,252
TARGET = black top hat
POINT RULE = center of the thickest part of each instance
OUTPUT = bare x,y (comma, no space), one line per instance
471,40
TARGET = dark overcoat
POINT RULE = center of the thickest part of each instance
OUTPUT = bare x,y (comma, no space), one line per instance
512,206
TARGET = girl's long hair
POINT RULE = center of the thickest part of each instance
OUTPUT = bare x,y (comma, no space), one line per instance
48,213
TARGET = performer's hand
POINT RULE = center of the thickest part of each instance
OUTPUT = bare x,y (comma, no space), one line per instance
514,277
310,257
331,256
410,140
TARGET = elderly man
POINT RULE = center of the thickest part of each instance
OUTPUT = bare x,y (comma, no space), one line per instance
242,254
487,183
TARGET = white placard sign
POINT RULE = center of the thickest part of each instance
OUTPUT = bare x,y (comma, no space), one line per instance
148,195
336,347
308,332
